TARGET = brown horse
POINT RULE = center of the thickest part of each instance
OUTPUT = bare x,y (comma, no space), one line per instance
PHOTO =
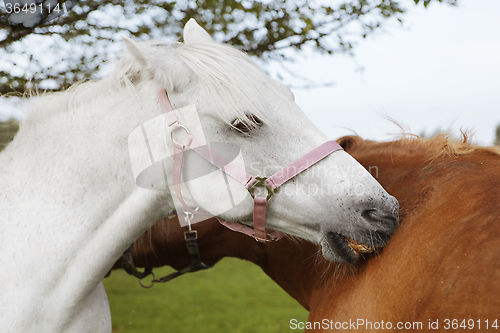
439,272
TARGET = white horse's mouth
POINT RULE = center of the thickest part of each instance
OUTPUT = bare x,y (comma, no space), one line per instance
358,247
337,247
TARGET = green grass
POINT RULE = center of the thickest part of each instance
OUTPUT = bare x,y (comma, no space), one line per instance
234,296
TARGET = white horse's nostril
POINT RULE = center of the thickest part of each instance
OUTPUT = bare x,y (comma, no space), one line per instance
377,215
383,214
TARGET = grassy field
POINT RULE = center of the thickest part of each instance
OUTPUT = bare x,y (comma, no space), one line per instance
234,296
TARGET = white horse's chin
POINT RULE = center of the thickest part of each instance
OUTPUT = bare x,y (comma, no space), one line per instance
335,248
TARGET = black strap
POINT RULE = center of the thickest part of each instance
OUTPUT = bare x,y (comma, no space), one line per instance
191,238
127,263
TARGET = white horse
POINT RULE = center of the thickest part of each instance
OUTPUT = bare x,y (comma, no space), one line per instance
69,206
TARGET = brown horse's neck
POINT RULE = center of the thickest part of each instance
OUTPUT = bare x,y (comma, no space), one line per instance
295,265
295,278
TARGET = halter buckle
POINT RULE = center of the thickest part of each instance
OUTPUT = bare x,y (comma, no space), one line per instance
191,234
261,182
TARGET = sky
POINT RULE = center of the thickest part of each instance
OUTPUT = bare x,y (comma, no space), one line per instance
438,71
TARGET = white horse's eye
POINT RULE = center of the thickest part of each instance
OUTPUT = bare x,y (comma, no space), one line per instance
247,124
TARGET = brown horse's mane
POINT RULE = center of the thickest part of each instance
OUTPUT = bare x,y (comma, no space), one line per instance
440,145
160,230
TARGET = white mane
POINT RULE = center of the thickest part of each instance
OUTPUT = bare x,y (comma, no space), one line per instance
86,93
228,77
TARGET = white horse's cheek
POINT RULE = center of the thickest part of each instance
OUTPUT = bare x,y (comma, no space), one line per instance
219,195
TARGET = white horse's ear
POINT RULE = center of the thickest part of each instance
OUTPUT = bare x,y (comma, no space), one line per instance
133,49
193,33
160,64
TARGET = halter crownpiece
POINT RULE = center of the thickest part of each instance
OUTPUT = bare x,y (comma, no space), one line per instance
250,182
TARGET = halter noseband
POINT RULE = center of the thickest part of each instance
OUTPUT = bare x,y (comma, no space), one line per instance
248,181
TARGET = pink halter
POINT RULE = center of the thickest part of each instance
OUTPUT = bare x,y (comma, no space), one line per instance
250,182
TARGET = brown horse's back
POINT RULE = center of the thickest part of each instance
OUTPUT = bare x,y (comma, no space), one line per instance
442,266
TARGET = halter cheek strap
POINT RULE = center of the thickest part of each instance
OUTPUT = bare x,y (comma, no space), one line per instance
250,182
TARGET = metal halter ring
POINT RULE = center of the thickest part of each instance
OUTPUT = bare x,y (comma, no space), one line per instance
152,283
188,217
172,133
261,181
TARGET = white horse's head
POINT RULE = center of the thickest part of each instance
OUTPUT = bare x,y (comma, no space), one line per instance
239,104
